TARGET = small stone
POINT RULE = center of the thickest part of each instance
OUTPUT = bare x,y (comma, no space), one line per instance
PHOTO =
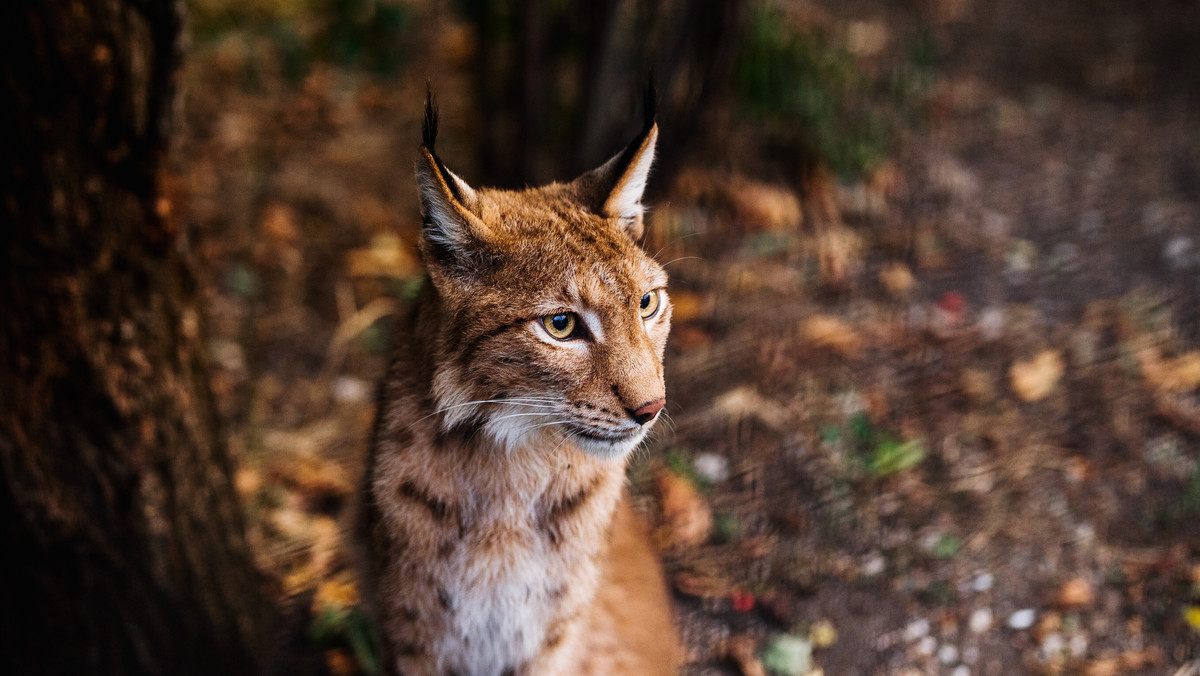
961,670
1077,645
926,646
983,582
1065,257
916,629
1179,253
874,565
991,323
970,655
350,390
1020,260
1053,645
1022,619
981,620
711,466
947,654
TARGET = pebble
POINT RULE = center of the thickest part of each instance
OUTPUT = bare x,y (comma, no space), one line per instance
712,467
1078,645
1179,253
981,620
991,323
961,670
874,565
1022,619
947,654
916,629
350,390
1019,260
1091,223
983,582
970,655
926,646
1065,257
1053,645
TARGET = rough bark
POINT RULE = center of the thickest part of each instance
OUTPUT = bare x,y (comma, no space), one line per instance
124,549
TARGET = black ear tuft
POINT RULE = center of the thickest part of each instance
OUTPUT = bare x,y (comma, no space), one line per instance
649,103
429,128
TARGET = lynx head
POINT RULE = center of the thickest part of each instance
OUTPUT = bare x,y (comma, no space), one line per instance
554,319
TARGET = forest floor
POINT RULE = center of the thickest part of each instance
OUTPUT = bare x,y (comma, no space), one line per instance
945,420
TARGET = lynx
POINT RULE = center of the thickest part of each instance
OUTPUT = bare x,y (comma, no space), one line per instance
500,540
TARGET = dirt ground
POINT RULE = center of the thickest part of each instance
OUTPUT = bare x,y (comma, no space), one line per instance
945,420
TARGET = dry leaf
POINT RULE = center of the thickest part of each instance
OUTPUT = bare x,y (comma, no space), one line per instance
897,279
741,650
823,634
339,663
337,592
386,256
687,519
313,478
700,585
743,403
1109,666
1076,592
1170,375
839,254
1034,379
832,333
279,223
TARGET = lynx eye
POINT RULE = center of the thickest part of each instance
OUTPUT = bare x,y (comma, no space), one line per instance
561,326
649,305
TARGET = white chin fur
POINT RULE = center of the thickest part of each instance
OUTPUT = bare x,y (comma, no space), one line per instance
608,450
512,427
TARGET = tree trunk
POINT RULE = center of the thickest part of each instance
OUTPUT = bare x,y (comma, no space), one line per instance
123,543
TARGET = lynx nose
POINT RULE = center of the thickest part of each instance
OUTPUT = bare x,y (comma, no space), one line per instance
647,412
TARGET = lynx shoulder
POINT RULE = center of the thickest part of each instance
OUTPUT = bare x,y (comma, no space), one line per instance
499,540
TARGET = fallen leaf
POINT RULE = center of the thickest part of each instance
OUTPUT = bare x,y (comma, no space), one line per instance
897,279
1075,592
832,333
839,254
1171,375
788,655
1034,379
279,223
336,592
386,256
742,403
1109,666
699,585
822,634
687,518
339,663
740,649
1191,615
743,601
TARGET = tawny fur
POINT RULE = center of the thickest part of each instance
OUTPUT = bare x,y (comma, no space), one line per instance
499,538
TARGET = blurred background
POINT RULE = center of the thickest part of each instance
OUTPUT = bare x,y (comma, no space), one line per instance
933,376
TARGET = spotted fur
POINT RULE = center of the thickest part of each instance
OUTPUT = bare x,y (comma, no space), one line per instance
498,536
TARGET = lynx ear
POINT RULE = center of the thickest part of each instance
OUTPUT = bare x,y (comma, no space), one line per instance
452,232
614,190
